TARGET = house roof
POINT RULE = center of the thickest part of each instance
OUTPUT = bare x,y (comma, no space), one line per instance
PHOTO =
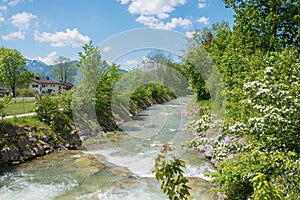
45,81
67,85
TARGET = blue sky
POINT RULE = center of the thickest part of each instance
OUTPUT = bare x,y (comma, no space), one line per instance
45,29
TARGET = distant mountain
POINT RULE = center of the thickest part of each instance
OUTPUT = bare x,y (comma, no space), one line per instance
37,66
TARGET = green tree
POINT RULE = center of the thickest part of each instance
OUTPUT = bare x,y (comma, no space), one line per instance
272,25
12,69
64,69
93,94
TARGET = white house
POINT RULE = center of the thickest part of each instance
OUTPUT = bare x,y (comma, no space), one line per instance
48,86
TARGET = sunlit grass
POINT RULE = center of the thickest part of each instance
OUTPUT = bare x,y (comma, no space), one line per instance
20,107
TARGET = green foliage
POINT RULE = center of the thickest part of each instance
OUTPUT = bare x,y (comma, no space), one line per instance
147,95
12,70
196,81
259,64
168,169
266,25
272,101
103,97
25,92
238,176
3,104
264,190
53,109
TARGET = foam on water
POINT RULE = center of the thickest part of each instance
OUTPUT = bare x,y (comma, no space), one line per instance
140,191
20,186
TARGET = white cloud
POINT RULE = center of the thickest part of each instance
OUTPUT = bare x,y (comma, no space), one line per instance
62,39
175,22
154,22
1,19
201,5
123,1
154,7
15,2
107,48
131,62
154,13
163,16
3,8
189,34
203,20
15,35
150,21
22,20
178,22
49,59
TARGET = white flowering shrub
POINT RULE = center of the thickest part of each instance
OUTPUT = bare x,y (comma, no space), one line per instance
270,126
274,120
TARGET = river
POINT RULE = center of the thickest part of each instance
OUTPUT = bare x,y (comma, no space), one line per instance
112,168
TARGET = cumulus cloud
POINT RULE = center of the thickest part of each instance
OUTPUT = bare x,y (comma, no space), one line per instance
150,21
154,13
3,8
22,20
156,23
131,62
1,18
49,59
178,22
202,3
163,16
189,34
15,35
123,1
15,2
107,48
62,39
154,7
203,20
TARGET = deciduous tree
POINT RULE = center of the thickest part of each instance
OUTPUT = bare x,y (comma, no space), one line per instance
12,69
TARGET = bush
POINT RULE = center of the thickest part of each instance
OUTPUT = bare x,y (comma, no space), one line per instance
25,92
3,103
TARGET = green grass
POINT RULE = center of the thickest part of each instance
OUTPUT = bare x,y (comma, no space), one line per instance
30,120
19,107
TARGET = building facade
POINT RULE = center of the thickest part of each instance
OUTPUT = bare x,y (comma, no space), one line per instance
48,86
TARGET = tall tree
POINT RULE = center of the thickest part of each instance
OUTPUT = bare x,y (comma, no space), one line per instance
272,24
64,69
12,69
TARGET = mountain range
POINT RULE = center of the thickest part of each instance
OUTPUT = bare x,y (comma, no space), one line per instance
42,69
39,68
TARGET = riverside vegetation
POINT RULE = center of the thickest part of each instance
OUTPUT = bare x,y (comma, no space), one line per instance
256,146
53,127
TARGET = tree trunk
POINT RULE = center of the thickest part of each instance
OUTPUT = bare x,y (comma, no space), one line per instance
13,89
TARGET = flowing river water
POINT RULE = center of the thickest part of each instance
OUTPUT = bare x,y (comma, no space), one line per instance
112,168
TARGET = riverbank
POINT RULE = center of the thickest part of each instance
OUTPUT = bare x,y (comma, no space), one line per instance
27,138
207,131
